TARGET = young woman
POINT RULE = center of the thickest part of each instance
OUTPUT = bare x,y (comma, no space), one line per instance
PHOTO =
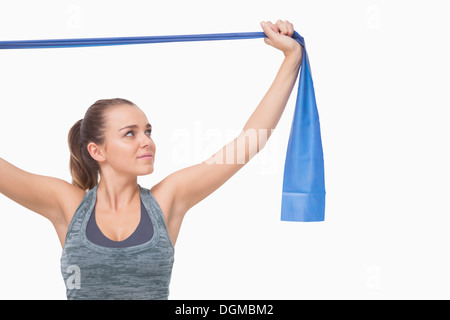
118,237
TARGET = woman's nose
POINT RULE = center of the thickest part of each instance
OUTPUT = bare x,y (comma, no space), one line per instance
145,140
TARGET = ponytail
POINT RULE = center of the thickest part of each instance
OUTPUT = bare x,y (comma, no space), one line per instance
84,172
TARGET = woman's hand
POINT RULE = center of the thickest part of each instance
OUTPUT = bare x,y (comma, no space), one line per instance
280,37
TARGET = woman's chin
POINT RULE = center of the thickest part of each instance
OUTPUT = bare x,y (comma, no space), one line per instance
146,171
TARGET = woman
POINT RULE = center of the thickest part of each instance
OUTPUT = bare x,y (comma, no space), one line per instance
118,237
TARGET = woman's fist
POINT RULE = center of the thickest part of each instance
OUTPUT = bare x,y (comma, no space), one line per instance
280,37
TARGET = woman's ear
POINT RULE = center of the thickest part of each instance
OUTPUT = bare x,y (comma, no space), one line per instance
96,152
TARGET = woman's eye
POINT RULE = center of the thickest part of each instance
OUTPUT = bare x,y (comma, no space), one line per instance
131,133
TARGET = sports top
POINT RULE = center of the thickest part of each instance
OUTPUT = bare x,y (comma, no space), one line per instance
91,271
141,234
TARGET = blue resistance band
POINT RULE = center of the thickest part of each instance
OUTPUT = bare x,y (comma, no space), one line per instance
303,197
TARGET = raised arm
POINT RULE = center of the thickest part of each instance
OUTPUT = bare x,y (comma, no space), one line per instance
191,185
52,198
268,113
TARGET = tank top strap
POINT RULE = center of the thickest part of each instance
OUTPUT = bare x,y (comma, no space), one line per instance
84,207
150,203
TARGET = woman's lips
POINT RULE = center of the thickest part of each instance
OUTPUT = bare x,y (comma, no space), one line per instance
146,156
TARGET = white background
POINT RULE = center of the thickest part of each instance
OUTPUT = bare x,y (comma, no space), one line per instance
380,70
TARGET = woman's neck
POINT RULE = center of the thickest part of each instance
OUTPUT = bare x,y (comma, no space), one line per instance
115,193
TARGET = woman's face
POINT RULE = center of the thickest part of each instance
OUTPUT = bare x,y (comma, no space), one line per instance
128,147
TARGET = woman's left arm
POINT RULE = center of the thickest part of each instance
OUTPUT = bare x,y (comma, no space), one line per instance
191,185
268,113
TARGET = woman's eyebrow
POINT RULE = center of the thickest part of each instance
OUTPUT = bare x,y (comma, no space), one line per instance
134,126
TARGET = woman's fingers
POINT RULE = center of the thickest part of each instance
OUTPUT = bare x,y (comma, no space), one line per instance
285,27
281,25
270,30
290,28
273,27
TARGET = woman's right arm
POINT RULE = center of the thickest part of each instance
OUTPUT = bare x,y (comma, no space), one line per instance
53,198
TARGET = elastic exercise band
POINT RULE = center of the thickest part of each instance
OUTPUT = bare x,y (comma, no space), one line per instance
303,197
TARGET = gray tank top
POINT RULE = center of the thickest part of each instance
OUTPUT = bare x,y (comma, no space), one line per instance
91,271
